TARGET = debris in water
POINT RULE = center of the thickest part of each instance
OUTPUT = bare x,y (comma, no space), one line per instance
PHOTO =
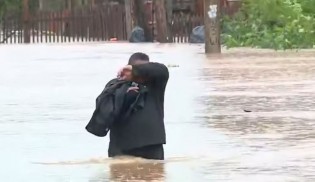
247,110
172,65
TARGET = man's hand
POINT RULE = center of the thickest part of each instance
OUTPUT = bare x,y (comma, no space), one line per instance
136,89
125,73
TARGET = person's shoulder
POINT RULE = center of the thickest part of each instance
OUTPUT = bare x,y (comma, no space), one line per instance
163,69
159,64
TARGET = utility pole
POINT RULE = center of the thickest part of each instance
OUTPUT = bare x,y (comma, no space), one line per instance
128,5
26,22
212,12
161,21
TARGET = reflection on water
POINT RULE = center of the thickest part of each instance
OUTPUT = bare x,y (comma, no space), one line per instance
137,172
47,97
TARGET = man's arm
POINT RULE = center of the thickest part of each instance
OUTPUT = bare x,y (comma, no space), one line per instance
149,72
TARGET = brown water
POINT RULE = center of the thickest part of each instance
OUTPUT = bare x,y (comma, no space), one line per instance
47,95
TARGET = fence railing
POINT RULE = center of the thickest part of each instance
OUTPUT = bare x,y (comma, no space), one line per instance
81,25
11,30
85,26
182,26
102,23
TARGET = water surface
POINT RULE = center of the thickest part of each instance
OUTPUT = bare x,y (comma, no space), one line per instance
47,96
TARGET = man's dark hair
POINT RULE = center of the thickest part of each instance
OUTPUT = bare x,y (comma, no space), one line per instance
138,56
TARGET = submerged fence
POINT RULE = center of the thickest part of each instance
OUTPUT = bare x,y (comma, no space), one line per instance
84,26
182,26
102,23
81,25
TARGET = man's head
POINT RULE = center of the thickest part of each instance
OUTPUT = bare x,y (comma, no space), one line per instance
138,58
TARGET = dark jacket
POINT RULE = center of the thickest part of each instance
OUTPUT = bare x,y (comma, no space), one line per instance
145,126
111,107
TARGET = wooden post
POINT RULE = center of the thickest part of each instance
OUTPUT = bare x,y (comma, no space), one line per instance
128,5
161,21
212,11
26,23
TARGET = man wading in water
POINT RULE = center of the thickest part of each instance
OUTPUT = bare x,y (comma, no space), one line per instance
142,133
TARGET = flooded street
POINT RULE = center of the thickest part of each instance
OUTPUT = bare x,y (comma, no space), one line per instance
246,115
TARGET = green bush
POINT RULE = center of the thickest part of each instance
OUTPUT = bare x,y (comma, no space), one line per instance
277,24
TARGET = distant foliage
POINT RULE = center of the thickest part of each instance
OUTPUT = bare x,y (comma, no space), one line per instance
277,24
15,7
308,7
6,5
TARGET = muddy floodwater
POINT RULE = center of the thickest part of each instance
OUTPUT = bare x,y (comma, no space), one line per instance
246,115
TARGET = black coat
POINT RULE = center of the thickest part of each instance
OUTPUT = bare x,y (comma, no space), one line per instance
111,107
145,126
108,106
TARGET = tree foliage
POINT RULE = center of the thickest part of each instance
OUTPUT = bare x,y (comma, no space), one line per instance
15,6
6,5
278,24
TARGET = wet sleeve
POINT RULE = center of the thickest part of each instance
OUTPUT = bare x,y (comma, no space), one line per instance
151,72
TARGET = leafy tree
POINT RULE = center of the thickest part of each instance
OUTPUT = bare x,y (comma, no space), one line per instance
278,24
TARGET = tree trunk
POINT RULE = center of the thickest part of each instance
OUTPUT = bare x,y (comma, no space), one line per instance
142,20
128,5
169,9
161,21
26,22
169,16
41,5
